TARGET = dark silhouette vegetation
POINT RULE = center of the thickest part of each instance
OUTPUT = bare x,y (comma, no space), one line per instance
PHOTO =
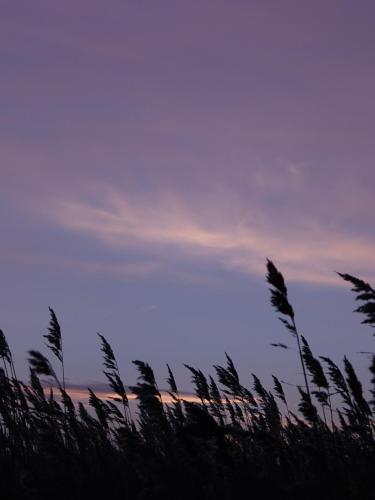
233,442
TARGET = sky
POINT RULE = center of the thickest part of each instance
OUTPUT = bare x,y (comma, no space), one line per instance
153,154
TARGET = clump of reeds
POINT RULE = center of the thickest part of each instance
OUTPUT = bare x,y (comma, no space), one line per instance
230,440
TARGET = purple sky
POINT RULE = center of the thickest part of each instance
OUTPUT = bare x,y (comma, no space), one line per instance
154,153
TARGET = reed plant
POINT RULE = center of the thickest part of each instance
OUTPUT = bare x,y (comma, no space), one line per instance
231,441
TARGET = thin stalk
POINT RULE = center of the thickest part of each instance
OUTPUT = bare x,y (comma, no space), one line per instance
125,402
330,408
62,365
301,359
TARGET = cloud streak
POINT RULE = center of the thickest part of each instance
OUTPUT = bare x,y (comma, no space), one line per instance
79,393
307,253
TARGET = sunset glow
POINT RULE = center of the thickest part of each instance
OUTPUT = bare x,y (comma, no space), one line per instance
153,155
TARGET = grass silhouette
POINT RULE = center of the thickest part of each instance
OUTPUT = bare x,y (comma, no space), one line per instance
233,442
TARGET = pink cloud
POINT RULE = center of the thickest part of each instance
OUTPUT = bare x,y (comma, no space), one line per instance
309,253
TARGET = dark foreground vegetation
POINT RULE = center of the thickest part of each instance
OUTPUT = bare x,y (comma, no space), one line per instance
234,442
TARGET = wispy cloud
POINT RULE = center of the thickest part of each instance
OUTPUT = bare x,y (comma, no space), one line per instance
124,270
79,392
130,269
306,253
148,308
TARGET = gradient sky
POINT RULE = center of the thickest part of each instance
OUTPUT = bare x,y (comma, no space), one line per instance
154,153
